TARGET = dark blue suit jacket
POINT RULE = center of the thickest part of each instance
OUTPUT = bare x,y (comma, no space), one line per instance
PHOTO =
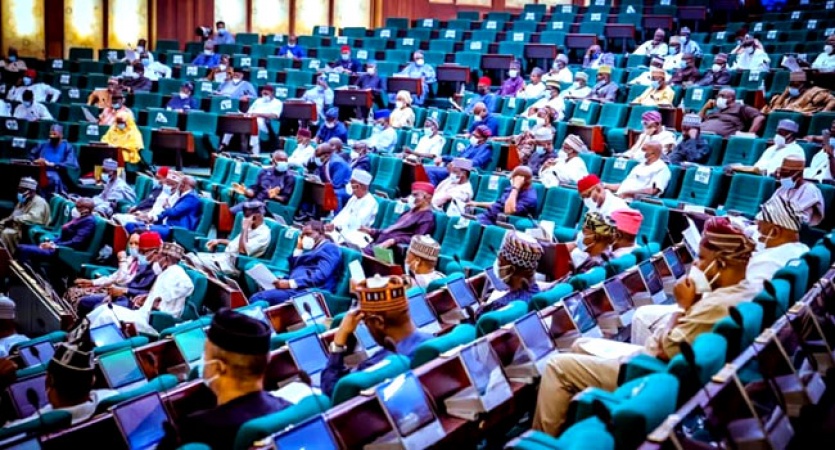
76,234
490,122
363,163
185,213
318,268
148,202
142,281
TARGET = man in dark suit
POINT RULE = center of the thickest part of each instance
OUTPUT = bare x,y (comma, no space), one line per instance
149,243
185,213
236,355
316,263
147,203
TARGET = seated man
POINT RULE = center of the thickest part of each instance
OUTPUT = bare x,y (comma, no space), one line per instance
421,259
778,240
321,95
167,197
117,107
785,145
543,150
645,78
483,118
560,73
654,47
168,294
70,375
800,96
273,183
729,116
822,166
593,245
718,75
30,209
551,99
139,285
431,144
627,225
455,191
115,189
567,167
237,88
653,131
598,199
693,147
360,211
658,93
329,168
304,149
56,154
253,240
536,88
482,95
159,189
265,109
332,128
185,212
184,101
316,264
102,97
605,91
235,360
825,62
514,83
515,265
689,74
650,177
723,257
135,80
9,337
518,199
31,110
292,49
580,89
480,152
595,57
385,312
75,234
805,195
208,58
383,137
418,220
751,56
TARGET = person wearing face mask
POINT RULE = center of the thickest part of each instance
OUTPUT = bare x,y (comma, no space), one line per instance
360,211
223,71
778,239
822,166
167,295
800,96
650,177
372,81
304,149
518,199
725,116
805,195
825,62
115,189
482,95
332,128
274,183
235,358
551,100
236,87
689,45
559,71
456,190
718,75
653,131
483,118
515,265
137,81
253,240
605,91
346,63
480,152
30,209
566,166
751,57
673,58
579,89
595,57
292,49
692,148
139,284
384,309
418,220
329,168
103,97
645,78
56,154
654,47
316,264
383,136
154,70
785,145
419,69
184,212
431,144
208,58
715,284
222,35
150,202
183,102
658,93
357,158
107,117
535,89
598,199
128,263
265,109
75,234
402,116
321,95
595,240
132,55
689,74
42,91
421,259
125,136
12,62
627,226
543,149
30,110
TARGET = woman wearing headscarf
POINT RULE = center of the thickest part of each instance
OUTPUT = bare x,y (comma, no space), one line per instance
402,115
124,135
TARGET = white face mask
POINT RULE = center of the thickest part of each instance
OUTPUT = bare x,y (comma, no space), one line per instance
399,104
208,52
721,103
827,49
591,205
208,381
716,68
502,272
371,70
699,278
693,133
473,140
157,268
455,178
779,141
428,131
183,95
539,121
221,67
512,73
411,201
307,243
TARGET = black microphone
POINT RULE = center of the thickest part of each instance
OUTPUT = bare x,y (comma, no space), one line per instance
644,241
309,310
35,400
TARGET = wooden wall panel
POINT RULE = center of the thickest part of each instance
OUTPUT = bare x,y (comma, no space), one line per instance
177,19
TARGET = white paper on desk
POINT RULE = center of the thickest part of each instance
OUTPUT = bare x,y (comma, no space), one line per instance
691,235
296,392
262,276
357,274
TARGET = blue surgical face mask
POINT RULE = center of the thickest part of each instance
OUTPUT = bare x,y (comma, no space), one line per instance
318,161
27,104
27,81
166,189
141,259
105,177
133,252
832,142
12,58
121,126
656,84
787,183
794,92
540,150
117,105
146,62
21,197
281,166
221,31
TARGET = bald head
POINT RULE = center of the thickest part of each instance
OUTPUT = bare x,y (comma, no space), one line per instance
187,184
479,108
652,150
336,143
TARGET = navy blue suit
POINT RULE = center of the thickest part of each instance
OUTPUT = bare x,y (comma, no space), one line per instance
338,131
148,202
481,156
185,214
490,122
338,173
319,268
75,234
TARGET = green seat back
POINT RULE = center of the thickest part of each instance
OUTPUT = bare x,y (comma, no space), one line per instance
561,206
491,241
46,422
352,384
490,188
654,225
543,299
747,192
709,350
433,348
493,320
264,426
742,325
387,176
461,237
796,272
818,258
700,186
587,279
615,170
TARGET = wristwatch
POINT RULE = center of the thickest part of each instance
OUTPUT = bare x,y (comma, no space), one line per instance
336,348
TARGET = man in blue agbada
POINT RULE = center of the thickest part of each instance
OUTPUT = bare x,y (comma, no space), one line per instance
55,154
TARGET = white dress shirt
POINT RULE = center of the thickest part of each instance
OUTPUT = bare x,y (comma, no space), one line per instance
773,157
301,155
764,263
564,171
40,90
645,176
430,145
647,49
824,62
455,194
819,167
